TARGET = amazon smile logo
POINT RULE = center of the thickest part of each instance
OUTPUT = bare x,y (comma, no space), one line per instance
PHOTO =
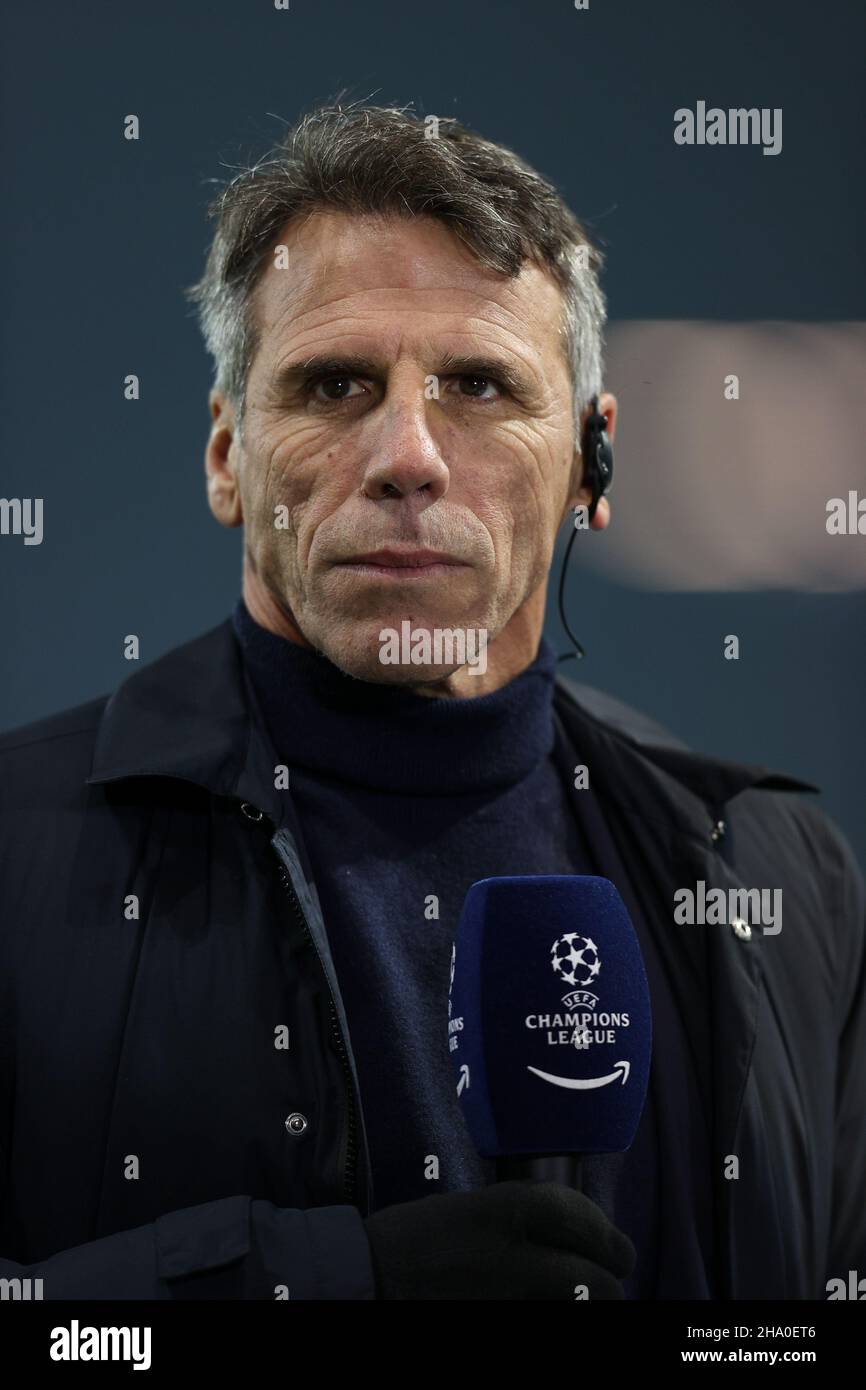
588,1083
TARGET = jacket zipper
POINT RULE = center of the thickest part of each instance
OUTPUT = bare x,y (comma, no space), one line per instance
351,1163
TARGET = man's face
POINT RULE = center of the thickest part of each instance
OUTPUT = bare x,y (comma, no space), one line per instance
403,398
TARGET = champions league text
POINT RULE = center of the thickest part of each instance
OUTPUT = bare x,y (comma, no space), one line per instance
578,1029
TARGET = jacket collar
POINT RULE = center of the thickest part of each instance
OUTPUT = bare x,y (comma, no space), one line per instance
188,715
184,715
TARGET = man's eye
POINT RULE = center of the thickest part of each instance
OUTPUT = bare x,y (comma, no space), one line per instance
335,388
480,387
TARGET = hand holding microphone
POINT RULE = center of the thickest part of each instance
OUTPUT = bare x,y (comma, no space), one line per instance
512,1240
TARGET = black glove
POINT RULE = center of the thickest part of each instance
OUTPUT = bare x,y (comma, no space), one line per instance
519,1239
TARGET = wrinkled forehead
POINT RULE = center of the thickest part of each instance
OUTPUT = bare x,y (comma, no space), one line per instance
337,276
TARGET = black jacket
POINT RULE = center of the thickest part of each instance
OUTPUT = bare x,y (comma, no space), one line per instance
159,932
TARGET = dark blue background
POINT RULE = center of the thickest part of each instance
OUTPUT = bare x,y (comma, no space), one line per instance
100,235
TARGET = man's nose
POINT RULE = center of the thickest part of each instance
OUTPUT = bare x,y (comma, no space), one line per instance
403,458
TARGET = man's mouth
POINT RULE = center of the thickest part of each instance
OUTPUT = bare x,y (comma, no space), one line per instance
393,563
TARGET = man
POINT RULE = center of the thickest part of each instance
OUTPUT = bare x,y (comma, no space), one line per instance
228,893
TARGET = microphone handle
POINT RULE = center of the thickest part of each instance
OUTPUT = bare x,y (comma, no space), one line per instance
564,1168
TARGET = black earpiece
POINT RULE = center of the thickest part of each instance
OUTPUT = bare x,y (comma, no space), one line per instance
597,451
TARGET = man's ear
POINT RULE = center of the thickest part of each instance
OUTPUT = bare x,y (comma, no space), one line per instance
221,462
583,494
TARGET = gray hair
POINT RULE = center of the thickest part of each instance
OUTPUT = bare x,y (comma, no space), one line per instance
374,159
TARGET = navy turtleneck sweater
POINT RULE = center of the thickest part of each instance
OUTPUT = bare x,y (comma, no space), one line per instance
405,801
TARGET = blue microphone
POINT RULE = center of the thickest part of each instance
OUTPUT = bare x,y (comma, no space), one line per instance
549,1023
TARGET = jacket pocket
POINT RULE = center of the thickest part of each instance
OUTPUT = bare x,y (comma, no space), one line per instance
203,1237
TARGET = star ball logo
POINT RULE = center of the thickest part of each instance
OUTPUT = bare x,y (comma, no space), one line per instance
570,959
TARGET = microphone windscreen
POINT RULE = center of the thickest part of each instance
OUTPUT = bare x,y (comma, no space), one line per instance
549,1018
